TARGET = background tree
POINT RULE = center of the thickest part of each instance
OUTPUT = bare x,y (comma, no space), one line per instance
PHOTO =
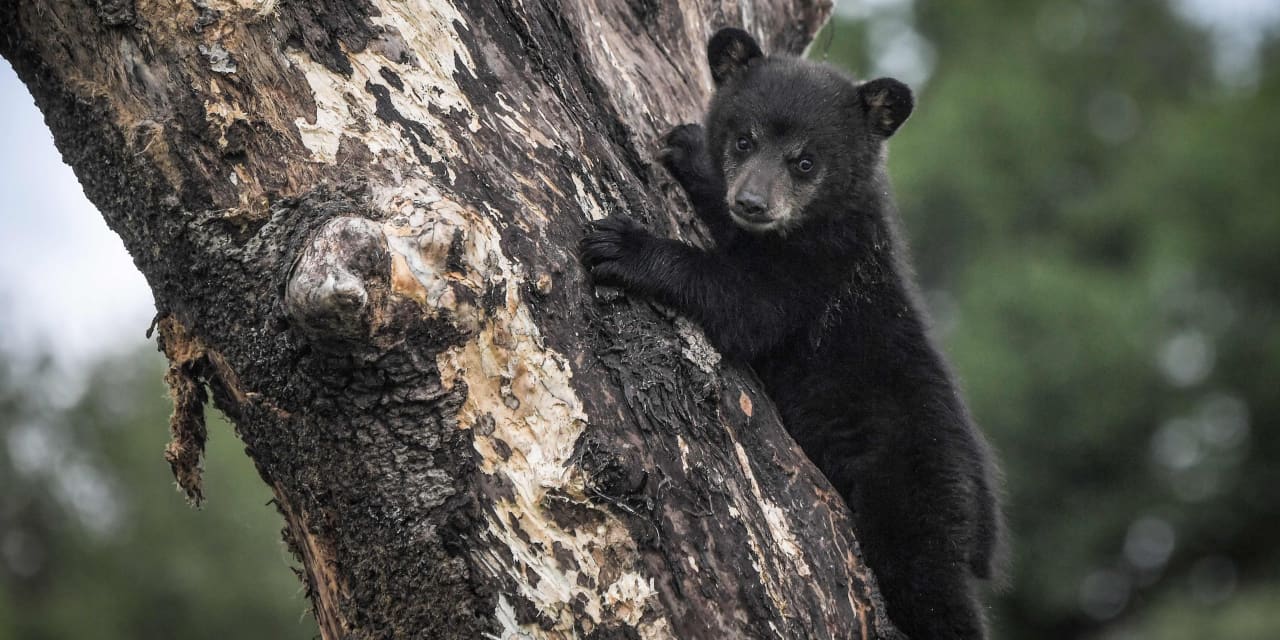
94,542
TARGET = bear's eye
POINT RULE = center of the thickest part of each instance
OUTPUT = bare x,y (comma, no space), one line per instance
744,143
805,165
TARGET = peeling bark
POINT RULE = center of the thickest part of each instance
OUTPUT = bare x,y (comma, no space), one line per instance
187,432
359,221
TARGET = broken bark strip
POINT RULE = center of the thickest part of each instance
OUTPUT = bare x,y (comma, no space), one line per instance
322,581
366,214
187,432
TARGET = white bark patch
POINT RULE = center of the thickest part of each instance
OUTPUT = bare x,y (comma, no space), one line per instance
626,81
448,258
779,527
587,202
345,107
640,79
253,8
695,347
515,124
779,530
322,135
684,452
219,58
506,617
222,112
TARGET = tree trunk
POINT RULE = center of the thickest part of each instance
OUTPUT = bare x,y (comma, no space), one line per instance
359,220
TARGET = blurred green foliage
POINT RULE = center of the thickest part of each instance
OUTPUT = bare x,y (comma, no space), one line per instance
1095,217
96,541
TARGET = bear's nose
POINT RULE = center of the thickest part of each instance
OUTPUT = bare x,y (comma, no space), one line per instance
749,203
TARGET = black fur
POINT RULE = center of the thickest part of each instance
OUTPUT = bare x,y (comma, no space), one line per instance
729,52
824,307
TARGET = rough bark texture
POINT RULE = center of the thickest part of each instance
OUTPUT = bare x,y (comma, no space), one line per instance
359,220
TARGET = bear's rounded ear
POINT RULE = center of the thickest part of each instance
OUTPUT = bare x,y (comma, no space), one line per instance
887,103
729,52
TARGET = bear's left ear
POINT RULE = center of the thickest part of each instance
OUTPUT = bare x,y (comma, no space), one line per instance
887,103
729,52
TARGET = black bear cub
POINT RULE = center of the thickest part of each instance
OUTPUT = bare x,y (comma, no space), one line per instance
809,284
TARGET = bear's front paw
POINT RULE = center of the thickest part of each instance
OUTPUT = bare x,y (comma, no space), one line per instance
611,250
683,153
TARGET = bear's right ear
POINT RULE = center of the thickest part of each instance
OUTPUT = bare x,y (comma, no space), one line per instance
887,103
729,52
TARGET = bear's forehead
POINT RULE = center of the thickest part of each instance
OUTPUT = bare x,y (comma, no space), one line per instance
786,96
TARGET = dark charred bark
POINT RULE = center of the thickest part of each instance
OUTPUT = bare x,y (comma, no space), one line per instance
359,221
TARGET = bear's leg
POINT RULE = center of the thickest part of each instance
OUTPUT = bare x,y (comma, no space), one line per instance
929,597
914,525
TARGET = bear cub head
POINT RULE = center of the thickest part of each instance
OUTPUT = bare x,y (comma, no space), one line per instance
794,139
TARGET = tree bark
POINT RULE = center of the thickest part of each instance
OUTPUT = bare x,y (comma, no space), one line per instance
359,220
